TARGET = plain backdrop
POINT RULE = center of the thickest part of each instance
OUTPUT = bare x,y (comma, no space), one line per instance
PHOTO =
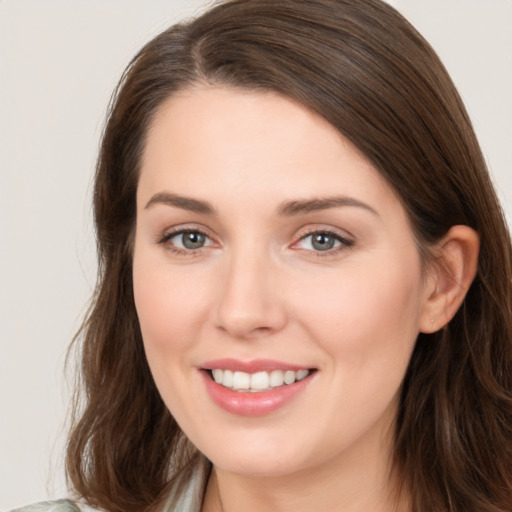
59,62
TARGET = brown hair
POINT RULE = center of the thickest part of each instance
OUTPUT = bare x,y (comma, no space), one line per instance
360,65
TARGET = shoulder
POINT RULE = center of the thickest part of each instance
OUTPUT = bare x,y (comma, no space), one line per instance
54,506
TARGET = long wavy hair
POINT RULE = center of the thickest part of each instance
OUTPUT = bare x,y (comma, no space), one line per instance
365,69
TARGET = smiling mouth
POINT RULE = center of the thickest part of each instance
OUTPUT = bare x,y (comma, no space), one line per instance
259,381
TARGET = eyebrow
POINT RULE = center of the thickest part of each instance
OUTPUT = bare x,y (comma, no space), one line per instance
291,208
186,203
287,209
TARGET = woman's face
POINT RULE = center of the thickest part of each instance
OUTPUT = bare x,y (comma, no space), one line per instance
271,255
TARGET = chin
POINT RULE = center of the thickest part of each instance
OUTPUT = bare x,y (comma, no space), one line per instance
261,467
266,457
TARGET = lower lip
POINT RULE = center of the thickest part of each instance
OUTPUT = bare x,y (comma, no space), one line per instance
253,404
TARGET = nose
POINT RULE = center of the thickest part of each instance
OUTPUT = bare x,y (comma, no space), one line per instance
250,303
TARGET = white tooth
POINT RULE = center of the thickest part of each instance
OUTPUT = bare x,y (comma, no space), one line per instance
241,380
289,377
259,380
301,374
276,378
227,378
217,376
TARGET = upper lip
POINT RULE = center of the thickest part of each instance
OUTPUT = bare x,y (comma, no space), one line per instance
253,366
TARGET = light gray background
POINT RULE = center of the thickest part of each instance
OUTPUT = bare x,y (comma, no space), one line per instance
59,62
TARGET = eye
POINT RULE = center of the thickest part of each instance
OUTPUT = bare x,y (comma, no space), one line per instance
190,240
187,240
323,241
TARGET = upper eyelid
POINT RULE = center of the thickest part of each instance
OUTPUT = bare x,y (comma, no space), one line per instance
169,232
343,241
322,228
332,234
172,234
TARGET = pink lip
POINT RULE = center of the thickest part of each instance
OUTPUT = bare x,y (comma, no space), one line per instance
256,365
244,403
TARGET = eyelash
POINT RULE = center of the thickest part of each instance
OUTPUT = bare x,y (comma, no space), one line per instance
165,239
345,243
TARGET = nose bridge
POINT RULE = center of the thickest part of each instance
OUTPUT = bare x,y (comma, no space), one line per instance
248,301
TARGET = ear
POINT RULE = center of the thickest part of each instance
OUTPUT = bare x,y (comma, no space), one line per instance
449,277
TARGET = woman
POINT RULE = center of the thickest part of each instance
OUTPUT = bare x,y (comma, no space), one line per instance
305,276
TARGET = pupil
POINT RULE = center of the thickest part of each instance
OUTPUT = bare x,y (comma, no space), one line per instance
193,240
322,242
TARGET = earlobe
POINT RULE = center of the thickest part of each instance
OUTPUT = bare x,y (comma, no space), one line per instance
450,276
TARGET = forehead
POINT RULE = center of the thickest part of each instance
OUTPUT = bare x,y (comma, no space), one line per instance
229,143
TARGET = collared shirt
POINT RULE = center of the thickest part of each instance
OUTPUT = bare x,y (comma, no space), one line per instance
188,501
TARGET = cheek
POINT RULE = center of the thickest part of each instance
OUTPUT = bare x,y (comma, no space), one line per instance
365,315
170,308
156,307
366,324
170,305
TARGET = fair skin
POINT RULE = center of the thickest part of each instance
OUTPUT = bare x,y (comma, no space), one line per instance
265,239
